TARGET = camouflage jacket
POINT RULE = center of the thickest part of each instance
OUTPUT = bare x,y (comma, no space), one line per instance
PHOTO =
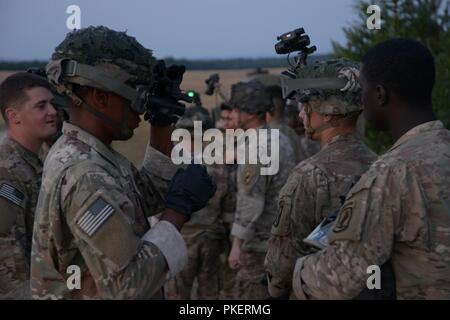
229,201
212,213
309,147
92,216
311,193
20,181
399,210
257,194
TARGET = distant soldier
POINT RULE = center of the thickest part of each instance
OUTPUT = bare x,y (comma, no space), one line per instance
308,146
399,211
205,233
26,107
197,102
257,194
276,119
314,190
224,118
228,276
91,237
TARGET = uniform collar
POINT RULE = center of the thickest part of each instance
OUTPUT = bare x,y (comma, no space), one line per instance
420,129
105,151
29,156
338,139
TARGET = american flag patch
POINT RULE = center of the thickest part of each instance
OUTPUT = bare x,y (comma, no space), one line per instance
10,193
95,216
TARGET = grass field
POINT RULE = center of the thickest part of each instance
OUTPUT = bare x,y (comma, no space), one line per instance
134,149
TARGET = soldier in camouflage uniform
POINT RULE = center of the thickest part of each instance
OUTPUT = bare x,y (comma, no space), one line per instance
26,106
400,208
314,189
205,233
257,195
91,235
276,120
308,147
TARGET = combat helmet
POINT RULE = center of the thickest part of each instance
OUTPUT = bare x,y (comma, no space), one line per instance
250,97
194,114
109,60
327,87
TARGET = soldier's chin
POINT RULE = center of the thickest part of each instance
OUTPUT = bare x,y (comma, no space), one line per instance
125,135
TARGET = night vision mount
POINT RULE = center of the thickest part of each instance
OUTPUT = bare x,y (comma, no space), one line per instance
295,41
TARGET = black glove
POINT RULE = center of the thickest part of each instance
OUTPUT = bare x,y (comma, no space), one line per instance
190,190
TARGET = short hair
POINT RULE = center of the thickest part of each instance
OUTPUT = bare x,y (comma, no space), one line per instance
225,107
404,66
12,89
275,91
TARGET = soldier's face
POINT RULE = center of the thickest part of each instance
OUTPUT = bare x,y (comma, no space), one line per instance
225,118
234,119
373,112
118,107
244,119
36,117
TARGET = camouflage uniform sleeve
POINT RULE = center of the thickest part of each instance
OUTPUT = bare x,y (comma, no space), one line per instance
13,204
123,265
362,235
158,168
251,189
14,250
296,219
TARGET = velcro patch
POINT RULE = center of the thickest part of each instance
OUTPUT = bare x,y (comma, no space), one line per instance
95,216
344,217
10,193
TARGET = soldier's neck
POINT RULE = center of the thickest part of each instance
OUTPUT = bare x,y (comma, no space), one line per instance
408,121
30,143
330,133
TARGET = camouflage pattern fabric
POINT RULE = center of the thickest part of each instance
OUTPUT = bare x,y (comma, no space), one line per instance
311,193
398,210
256,209
294,140
206,238
92,213
20,180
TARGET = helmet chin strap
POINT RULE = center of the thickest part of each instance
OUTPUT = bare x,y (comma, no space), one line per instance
310,131
125,131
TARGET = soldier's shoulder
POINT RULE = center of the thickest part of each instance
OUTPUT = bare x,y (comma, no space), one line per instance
12,165
309,169
68,149
424,148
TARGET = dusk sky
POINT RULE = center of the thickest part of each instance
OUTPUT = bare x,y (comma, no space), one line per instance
194,29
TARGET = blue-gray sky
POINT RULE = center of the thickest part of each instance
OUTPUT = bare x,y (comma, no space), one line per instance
192,29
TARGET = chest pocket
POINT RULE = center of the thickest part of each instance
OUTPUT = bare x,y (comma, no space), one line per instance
281,224
349,223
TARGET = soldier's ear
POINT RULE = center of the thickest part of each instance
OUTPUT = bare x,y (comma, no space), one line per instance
327,118
100,98
381,95
12,116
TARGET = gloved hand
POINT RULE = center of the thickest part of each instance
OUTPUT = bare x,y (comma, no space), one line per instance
190,190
